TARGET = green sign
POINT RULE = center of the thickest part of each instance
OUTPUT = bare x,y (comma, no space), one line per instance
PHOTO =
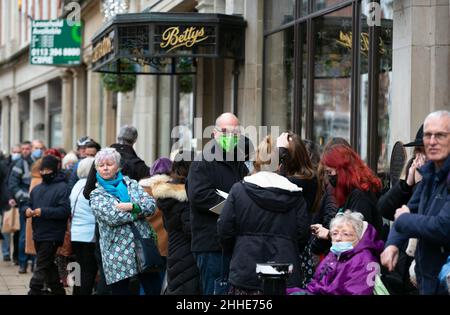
54,42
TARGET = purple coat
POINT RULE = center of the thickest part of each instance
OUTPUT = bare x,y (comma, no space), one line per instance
352,273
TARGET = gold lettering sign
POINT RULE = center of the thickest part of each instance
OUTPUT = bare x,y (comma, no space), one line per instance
174,38
345,40
102,48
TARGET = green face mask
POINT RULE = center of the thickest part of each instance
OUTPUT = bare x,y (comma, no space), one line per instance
228,143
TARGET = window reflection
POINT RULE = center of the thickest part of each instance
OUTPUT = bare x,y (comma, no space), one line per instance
322,4
332,75
279,79
278,13
385,80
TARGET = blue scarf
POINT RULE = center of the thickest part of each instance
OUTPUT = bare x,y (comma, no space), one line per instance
115,187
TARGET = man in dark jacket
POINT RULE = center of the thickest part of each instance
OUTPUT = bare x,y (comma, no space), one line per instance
427,216
49,206
217,168
19,184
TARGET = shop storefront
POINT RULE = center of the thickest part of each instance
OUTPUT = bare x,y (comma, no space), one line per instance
169,46
322,76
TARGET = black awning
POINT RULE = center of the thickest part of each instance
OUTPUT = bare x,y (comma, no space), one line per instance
166,43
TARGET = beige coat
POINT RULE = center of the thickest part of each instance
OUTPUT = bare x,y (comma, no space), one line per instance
156,220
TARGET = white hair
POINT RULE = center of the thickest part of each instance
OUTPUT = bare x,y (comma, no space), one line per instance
438,114
355,219
69,158
85,166
107,154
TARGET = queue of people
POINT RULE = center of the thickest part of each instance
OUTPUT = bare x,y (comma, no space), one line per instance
208,218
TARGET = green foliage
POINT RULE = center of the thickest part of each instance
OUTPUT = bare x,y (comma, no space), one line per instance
119,82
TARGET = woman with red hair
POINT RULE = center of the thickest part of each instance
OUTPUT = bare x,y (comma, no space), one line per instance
355,185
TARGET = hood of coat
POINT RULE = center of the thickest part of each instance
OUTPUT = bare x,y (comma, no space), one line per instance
272,192
152,181
170,190
369,241
163,188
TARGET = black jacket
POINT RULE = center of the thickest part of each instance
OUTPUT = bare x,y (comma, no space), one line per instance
5,195
327,211
394,198
132,166
183,277
309,191
365,203
203,180
53,199
258,225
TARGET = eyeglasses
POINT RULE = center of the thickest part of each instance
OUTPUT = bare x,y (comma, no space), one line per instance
439,136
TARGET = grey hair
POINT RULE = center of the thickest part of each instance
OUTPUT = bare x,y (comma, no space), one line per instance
355,219
438,114
127,135
107,154
226,115
85,166
69,158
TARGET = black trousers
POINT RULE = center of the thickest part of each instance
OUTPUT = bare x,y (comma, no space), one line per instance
46,270
85,255
102,288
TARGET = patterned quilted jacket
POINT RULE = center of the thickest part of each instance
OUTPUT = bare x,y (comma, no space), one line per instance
116,239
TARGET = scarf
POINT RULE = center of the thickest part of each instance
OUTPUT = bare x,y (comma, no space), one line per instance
115,187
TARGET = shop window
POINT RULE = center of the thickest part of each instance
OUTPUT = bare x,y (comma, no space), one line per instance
332,75
278,13
385,83
55,130
279,79
322,4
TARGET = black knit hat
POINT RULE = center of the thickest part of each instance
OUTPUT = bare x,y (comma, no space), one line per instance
419,139
50,162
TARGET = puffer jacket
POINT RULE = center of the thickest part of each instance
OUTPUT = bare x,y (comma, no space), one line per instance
116,236
183,276
264,219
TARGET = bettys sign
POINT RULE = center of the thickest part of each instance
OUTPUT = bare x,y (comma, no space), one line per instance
173,37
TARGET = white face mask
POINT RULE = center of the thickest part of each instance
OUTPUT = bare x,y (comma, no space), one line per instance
15,156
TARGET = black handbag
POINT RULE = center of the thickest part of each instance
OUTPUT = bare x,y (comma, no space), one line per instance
148,258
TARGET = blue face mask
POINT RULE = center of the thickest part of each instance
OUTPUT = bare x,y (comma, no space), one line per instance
15,156
339,247
37,153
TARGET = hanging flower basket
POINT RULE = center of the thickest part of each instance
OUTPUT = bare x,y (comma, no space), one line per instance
119,82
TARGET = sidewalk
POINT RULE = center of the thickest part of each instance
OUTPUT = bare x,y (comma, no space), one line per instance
11,282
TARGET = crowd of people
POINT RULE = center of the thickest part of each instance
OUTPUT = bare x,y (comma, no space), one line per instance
284,200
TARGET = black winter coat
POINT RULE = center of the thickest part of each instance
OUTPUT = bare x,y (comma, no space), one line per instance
53,199
394,198
309,191
327,211
183,277
258,225
203,180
